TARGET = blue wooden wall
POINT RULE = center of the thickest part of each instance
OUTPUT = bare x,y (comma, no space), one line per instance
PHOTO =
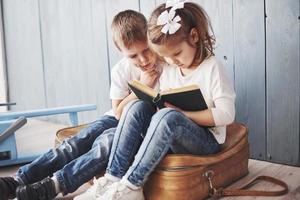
59,52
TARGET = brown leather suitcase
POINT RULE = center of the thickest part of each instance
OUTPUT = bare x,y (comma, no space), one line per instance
186,177
65,133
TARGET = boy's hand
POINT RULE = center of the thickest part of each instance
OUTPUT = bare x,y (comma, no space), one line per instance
149,77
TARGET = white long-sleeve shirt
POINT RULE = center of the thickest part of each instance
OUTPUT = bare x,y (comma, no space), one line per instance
215,86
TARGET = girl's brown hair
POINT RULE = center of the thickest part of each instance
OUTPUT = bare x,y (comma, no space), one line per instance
129,27
192,16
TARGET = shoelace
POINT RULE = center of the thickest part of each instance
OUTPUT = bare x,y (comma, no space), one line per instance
40,192
93,187
117,191
44,190
11,184
98,185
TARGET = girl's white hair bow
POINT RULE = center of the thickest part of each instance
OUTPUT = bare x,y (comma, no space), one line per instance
170,22
168,18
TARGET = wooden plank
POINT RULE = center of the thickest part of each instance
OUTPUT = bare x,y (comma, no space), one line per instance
283,81
23,53
220,15
249,60
113,8
146,7
75,54
158,2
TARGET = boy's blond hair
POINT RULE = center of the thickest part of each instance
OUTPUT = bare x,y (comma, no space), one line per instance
129,27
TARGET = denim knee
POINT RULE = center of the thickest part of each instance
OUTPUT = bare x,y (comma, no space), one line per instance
165,121
137,108
138,105
167,115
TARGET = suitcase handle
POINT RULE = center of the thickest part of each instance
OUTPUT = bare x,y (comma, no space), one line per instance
243,191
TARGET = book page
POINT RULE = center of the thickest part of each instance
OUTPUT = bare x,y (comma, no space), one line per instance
181,89
142,87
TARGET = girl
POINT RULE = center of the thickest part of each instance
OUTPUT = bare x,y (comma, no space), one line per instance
180,34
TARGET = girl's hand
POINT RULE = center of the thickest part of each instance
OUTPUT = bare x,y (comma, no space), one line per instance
168,105
203,118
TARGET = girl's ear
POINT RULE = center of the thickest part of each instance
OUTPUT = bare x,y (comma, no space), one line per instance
194,36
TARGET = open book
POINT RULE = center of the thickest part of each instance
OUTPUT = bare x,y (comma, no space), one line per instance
187,98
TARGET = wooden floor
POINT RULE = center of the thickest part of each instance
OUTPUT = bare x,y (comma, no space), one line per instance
42,134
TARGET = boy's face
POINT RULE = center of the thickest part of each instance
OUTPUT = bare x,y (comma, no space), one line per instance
140,55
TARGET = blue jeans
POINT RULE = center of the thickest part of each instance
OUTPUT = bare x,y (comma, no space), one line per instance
77,159
165,130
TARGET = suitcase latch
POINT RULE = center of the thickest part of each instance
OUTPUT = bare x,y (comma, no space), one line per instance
213,192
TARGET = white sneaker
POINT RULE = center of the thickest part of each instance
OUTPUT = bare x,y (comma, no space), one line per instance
119,191
99,188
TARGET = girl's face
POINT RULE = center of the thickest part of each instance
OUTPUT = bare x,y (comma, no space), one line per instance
180,53
140,55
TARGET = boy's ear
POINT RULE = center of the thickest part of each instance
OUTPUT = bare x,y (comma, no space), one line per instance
194,35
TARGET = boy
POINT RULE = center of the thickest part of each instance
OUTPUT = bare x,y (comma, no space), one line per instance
81,157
